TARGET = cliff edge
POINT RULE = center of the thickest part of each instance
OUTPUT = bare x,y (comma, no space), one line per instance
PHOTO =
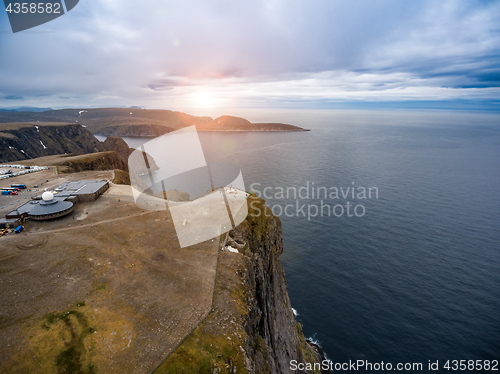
252,328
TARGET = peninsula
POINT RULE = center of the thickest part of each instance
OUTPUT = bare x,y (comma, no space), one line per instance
140,122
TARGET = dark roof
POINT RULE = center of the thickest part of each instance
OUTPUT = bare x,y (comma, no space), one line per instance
39,207
80,187
57,204
75,188
8,220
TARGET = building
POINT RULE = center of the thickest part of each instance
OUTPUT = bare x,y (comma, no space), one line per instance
6,223
81,191
60,202
48,207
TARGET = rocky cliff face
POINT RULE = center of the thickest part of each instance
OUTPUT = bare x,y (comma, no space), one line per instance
26,141
274,337
113,143
252,328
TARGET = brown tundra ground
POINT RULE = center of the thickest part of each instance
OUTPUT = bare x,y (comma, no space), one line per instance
105,289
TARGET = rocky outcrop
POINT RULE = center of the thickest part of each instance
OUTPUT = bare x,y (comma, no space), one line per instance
274,337
27,141
252,328
114,143
23,141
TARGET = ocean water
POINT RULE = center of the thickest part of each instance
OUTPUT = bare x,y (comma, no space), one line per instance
408,275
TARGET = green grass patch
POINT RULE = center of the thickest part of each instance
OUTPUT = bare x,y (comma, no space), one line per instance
73,327
205,354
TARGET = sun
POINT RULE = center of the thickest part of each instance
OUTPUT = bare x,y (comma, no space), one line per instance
203,99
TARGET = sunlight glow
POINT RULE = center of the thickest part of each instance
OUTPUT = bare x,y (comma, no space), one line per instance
203,100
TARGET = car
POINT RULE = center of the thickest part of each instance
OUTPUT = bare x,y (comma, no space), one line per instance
14,193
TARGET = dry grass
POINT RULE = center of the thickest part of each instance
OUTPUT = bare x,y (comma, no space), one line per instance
142,293
217,344
59,159
121,177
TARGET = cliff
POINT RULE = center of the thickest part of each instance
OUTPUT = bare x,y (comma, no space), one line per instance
29,141
230,123
115,294
141,122
252,328
113,143
23,141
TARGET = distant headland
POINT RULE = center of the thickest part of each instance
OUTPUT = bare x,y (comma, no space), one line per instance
140,122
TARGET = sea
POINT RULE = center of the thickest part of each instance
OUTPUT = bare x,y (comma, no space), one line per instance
391,230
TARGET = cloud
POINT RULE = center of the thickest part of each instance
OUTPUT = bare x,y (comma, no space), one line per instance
110,52
12,97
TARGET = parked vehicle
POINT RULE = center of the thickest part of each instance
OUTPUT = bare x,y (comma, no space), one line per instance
5,192
18,229
19,186
14,193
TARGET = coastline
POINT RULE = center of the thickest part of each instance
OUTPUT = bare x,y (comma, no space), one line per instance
298,130
252,327
200,130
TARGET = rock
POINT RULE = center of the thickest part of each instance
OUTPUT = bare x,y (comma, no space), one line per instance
270,324
44,140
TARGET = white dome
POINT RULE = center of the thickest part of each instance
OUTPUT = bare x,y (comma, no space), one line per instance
47,196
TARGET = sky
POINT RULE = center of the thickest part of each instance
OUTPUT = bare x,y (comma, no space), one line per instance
257,54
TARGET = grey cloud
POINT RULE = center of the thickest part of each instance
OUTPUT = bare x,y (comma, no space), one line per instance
12,97
109,49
